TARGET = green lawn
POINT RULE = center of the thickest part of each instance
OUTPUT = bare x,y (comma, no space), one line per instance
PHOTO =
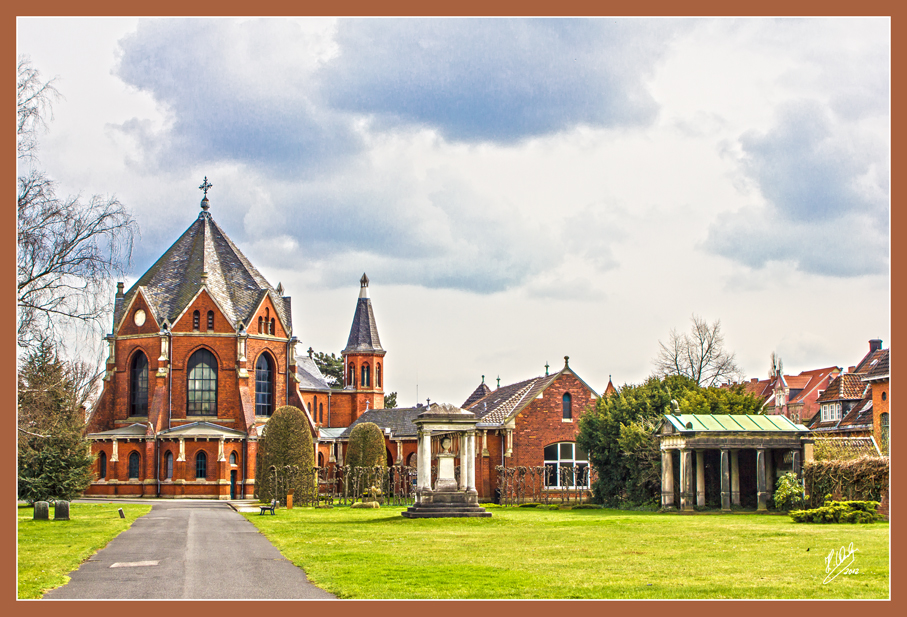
528,553
49,550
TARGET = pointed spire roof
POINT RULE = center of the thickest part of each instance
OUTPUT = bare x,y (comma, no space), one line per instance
364,332
481,392
205,257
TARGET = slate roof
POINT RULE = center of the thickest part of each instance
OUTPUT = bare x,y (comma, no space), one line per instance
500,404
398,420
310,376
482,391
880,369
174,279
364,331
870,361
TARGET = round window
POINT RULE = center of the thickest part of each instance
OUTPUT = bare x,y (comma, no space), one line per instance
884,396
139,317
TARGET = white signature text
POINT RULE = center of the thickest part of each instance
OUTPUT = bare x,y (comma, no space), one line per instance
838,562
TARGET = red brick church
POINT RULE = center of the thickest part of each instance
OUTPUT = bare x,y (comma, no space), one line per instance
202,352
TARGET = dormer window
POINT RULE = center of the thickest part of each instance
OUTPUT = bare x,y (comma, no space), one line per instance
196,318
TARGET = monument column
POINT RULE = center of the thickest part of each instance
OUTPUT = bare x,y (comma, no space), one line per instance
769,473
471,463
725,481
735,479
464,459
700,478
667,480
686,480
761,495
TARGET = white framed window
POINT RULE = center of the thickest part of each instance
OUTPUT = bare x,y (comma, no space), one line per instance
566,465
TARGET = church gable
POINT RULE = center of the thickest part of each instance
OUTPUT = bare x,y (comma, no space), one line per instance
266,320
138,318
203,314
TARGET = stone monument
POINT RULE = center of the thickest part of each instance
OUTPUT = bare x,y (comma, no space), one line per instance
447,498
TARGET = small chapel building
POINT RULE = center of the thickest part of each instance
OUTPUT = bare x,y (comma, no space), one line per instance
201,353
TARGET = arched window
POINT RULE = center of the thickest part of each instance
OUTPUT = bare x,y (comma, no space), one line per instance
272,327
138,386
566,465
134,462
102,466
378,375
264,386
320,459
351,377
196,316
261,322
568,406
201,465
315,408
233,458
168,466
321,412
210,320
201,390
365,376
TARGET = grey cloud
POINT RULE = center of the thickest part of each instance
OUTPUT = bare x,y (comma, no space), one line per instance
826,192
497,79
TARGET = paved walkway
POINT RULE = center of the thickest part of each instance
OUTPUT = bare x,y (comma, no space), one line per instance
186,550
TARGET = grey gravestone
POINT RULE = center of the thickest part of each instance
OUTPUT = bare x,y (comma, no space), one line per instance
61,511
122,514
42,511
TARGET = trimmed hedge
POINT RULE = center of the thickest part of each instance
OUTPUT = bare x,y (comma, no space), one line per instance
285,440
839,512
366,447
864,478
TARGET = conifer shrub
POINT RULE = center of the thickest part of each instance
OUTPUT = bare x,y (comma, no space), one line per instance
366,448
285,441
839,512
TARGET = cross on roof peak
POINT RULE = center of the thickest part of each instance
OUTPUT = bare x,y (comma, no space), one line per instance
204,186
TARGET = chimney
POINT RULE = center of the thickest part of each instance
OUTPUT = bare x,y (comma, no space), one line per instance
851,369
875,344
754,380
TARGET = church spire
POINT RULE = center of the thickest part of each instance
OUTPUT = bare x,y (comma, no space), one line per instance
364,331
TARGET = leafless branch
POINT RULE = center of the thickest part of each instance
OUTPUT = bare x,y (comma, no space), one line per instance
699,355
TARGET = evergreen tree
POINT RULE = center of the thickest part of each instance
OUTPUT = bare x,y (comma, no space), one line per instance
331,367
390,400
366,447
285,441
54,461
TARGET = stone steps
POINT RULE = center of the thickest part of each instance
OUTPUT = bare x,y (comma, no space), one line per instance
439,510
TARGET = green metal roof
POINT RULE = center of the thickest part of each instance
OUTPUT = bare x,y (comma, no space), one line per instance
725,423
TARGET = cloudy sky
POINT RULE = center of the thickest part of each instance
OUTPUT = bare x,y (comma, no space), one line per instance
516,190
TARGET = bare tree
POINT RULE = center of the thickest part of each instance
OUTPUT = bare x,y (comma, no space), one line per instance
699,355
69,249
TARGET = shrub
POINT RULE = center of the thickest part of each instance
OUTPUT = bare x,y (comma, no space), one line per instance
285,440
366,447
839,512
789,493
863,478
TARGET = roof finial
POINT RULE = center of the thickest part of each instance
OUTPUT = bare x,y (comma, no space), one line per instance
363,286
566,361
546,369
483,378
311,352
204,186
428,402
499,381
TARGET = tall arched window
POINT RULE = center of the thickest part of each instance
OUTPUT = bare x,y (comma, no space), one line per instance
201,465
365,376
102,466
210,320
566,464
568,406
134,463
264,386
315,408
261,322
138,386
168,465
201,390
321,412
233,458
196,316
378,374
351,376
272,327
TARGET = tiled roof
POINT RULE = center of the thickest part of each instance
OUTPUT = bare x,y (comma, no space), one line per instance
399,421
364,331
482,391
860,415
234,283
500,404
880,369
870,360
310,377
846,386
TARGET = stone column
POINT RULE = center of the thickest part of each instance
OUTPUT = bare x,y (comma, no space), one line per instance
761,494
725,481
509,451
735,479
769,473
795,461
114,454
471,463
700,478
667,480
464,458
182,453
424,464
485,443
686,480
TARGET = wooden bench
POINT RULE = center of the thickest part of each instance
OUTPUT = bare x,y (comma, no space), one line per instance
270,507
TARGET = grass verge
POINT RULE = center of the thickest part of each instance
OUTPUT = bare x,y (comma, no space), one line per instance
49,550
532,553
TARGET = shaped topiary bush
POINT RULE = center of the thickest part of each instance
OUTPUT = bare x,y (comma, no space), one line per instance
285,440
366,447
